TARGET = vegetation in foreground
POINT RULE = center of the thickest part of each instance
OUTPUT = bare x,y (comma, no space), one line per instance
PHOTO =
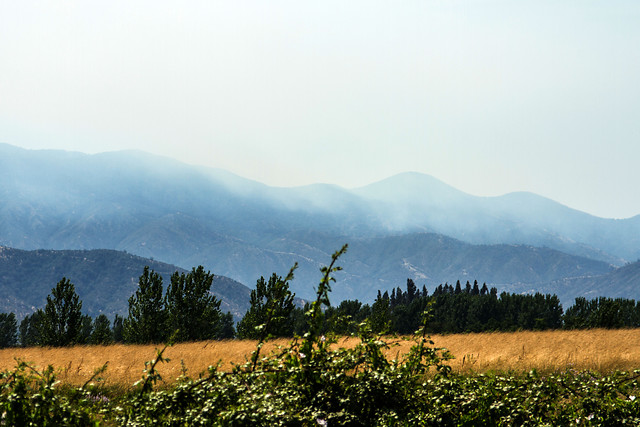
310,383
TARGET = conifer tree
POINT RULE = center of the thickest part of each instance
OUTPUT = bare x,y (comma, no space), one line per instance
8,330
101,333
226,330
30,328
412,291
117,328
381,314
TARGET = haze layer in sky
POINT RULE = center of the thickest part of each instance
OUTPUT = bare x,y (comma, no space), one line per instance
488,96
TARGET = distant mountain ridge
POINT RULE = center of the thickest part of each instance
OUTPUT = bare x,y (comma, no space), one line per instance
157,207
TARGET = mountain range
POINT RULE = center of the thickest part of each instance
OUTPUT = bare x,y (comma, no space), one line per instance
407,226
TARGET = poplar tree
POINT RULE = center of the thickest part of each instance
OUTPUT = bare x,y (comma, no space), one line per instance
193,312
146,320
271,307
61,322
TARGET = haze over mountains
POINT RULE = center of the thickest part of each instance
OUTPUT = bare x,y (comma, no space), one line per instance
407,226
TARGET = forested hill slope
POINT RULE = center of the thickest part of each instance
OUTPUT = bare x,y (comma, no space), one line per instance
159,208
623,282
104,280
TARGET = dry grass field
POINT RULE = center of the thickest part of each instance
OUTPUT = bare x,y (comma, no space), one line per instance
601,350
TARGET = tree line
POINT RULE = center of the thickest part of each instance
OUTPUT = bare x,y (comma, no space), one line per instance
452,309
187,311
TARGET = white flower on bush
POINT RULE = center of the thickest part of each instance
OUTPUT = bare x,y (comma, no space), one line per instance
322,422
632,398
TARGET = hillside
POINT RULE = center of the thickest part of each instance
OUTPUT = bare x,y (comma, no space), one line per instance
104,280
186,216
432,258
623,282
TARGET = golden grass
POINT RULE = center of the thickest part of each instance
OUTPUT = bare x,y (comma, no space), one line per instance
599,349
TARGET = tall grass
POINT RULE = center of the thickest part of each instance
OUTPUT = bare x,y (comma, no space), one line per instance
598,350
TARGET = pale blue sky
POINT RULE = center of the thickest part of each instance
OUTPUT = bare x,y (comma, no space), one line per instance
488,96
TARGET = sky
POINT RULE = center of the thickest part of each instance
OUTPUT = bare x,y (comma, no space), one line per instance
488,96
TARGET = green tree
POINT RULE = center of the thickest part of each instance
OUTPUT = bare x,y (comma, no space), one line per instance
117,329
86,330
226,330
380,317
101,333
146,320
193,312
8,330
30,329
271,308
344,319
62,320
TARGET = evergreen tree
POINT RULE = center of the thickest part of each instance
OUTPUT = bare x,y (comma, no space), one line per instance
226,331
146,320
271,308
86,329
61,323
475,290
484,290
30,329
193,313
380,317
8,330
101,331
393,299
117,329
412,291
467,288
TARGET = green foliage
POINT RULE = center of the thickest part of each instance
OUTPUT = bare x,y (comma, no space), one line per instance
29,397
271,307
86,329
118,329
8,330
147,315
310,382
455,310
101,333
61,323
344,319
226,330
380,318
602,313
30,328
193,313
